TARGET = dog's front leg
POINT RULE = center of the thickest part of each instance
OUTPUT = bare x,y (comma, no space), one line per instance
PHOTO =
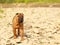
14,32
22,34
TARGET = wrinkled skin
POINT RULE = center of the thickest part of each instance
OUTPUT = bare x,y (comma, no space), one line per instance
17,23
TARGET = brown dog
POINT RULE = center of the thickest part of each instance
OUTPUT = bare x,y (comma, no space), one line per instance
17,23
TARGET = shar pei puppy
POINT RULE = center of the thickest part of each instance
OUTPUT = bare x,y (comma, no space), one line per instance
17,23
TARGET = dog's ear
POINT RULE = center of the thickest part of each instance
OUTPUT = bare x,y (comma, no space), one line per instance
17,13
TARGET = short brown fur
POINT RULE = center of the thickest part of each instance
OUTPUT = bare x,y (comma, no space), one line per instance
17,25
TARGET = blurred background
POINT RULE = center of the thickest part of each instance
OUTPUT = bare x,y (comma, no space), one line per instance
29,1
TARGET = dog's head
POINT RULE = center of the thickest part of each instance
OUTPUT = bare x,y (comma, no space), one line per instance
20,17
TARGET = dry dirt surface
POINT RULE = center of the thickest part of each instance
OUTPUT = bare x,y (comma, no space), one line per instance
41,26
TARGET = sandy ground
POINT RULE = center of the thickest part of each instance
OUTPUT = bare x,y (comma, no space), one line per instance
41,26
